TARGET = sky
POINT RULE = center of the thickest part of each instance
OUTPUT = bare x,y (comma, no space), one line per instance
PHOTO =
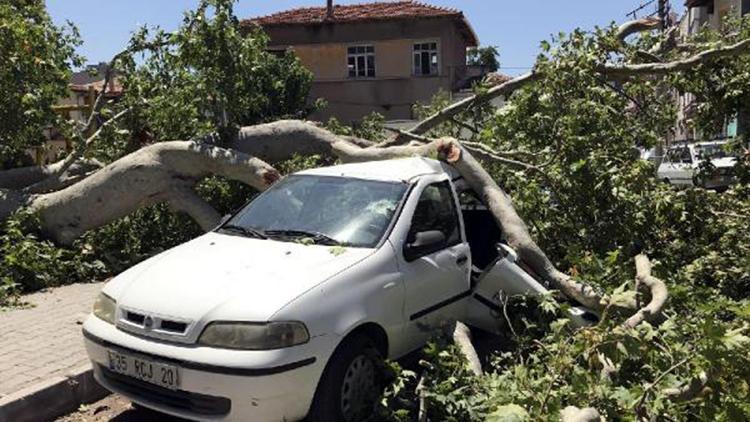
515,27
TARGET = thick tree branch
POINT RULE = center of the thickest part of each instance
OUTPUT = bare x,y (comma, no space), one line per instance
515,229
157,173
462,338
636,26
626,70
657,289
504,89
187,201
22,177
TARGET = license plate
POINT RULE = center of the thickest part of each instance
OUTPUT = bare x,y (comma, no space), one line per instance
157,373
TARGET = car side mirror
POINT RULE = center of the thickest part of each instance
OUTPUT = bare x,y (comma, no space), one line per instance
424,243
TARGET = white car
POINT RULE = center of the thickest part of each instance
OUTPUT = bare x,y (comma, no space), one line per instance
287,309
681,165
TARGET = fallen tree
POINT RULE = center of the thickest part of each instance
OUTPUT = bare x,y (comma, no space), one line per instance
78,195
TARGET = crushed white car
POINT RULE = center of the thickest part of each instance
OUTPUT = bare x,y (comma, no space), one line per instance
288,307
682,163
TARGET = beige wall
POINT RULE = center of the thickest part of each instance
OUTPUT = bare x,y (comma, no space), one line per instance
393,90
328,62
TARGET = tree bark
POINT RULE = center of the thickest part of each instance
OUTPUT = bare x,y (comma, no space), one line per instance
656,287
628,70
462,338
504,89
23,177
164,172
636,26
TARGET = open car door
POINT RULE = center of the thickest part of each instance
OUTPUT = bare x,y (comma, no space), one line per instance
497,269
506,276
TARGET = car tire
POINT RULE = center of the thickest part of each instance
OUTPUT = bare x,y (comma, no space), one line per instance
351,383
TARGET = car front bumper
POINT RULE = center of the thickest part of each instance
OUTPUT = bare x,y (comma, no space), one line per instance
215,384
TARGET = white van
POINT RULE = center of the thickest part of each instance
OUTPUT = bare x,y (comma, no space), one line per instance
288,307
681,165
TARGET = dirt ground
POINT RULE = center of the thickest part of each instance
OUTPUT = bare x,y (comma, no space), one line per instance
115,408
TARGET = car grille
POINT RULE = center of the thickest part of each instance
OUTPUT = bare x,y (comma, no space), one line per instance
163,324
199,404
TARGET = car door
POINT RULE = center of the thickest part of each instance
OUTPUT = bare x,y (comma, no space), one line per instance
684,174
669,169
436,279
504,278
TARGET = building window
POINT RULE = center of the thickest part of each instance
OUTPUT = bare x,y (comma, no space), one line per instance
361,61
426,59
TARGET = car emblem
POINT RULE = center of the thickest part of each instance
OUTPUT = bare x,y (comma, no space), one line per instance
148,323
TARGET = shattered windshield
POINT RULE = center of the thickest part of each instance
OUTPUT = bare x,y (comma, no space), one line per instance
323,209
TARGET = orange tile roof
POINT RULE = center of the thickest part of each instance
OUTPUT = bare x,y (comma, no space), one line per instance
377,11
496,78
114,89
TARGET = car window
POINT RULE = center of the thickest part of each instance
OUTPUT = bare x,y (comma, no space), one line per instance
436,210
711,151
670,156
685,156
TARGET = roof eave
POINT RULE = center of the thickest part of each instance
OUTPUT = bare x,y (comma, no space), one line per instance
472,40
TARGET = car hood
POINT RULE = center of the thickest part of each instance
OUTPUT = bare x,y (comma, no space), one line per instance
225,277
724,162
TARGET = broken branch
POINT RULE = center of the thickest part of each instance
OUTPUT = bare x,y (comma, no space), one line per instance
657,288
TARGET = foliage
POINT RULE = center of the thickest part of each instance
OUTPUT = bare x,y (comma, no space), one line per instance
593,204
205,79
212,75
34,74
484,56
27,262
371,127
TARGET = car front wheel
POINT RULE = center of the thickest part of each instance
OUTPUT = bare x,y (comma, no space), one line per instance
351,384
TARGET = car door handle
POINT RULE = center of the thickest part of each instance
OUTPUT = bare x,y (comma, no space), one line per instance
461,260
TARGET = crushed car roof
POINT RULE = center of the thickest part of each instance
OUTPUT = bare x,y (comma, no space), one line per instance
403,169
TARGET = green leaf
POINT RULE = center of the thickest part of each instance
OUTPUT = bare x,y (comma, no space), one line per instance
337,250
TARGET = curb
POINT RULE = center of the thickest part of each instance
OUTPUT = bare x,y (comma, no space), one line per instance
52,398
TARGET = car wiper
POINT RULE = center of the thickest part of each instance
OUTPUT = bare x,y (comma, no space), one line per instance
316,237
246,231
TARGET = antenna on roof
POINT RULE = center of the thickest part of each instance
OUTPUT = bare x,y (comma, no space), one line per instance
329,9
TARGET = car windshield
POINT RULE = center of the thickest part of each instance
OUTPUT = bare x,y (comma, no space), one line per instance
322,209
710,151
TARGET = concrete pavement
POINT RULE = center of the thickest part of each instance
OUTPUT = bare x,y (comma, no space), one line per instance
42,357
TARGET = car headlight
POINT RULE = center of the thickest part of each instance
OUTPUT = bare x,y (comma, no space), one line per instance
254,336
104,308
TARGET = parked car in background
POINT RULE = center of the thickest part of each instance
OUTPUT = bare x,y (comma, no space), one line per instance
701,164
287,309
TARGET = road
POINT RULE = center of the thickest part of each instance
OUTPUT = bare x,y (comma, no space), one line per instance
115,408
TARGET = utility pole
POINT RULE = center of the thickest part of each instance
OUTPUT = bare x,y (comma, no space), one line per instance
663,13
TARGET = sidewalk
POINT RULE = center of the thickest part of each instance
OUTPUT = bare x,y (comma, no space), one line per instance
43,343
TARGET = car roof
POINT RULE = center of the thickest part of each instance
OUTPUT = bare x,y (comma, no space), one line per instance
697,144
398,170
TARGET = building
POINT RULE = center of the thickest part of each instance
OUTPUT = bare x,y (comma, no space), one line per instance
699,14
83,89
376,57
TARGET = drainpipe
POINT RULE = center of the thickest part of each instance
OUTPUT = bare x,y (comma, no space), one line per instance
329,9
